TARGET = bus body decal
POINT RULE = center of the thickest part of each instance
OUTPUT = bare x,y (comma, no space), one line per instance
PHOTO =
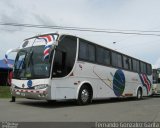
118,82
103,80
145,81
49,40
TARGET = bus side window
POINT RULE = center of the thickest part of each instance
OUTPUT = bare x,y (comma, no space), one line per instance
149,69
127,63
65,56
87,51
103,56
143,67
135,64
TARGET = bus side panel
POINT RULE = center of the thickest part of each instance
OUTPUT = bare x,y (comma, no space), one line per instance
106,76
63,88
98,76
105,81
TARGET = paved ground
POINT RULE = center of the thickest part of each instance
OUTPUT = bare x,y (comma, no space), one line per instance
107,110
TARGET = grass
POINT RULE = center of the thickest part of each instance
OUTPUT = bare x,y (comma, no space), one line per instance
5,92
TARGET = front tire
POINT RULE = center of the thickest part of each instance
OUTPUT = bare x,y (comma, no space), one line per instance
84,96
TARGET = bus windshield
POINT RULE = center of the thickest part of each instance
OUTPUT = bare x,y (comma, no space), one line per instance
30,64
156,76
33,61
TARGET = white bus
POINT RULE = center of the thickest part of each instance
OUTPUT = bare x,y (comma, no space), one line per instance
73,68
156,82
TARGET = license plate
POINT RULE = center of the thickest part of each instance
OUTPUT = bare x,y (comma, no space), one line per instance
23,94
18,93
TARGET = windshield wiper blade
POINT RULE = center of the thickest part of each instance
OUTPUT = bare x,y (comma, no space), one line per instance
29,58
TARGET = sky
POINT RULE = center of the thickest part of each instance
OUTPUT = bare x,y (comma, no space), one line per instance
111,15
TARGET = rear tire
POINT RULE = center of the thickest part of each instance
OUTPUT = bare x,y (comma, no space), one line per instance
84,96
139,94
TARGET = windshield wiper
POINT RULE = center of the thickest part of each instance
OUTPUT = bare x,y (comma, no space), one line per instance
28,60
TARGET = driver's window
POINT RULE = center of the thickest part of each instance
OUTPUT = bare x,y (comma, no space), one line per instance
65,55
59,63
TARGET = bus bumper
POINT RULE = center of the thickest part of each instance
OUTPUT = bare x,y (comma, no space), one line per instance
33,94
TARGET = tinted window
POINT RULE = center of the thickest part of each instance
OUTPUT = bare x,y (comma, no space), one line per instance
116,59
135,65
119,58
143,67
65,56
149,69
91,52
127,63
83,51
103,56
99,56
86,51
107,58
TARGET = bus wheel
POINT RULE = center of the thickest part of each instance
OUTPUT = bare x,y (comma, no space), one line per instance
84,96
139,94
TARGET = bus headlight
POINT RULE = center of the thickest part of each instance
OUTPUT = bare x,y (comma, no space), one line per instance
41,86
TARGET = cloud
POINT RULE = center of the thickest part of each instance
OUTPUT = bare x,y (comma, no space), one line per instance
104,14
8,19
157,64
10,13
44,19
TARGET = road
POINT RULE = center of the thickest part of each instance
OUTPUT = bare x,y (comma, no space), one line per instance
25,110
